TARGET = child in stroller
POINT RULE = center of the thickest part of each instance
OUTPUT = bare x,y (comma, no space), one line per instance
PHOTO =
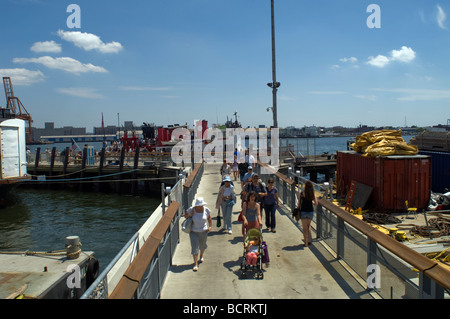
253,250
252,253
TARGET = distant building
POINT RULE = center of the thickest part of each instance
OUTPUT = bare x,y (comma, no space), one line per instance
50,130
110,129
311,131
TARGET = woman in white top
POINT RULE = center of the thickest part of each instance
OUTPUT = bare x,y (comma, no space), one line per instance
201,226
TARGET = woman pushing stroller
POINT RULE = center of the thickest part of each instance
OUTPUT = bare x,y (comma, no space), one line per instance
251,213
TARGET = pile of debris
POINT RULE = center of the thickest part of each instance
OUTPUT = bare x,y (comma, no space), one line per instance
437,227
439,201
380,218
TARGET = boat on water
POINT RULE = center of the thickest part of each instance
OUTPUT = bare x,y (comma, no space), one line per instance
13,161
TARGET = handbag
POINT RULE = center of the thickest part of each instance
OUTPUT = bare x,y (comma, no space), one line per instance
240,218
296,213
265,256
186,225
219,221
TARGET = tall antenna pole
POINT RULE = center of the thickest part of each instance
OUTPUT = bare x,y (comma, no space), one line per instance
274,85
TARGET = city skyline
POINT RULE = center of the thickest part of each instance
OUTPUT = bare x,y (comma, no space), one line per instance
339,63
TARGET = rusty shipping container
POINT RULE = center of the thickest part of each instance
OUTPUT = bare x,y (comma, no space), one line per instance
394,179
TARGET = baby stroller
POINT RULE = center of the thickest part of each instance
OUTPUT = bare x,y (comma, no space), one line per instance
249,238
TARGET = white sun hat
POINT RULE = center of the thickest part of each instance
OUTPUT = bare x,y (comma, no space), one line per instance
199,202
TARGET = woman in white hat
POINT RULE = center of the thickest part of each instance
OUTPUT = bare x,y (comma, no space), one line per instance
201,226
226,200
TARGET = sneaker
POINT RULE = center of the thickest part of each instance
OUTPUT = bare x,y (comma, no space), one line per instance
230,232
273,230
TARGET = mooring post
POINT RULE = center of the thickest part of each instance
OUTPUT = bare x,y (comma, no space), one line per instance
119,178
36,160
66,162
100,169
52,161
135,167
83,165
73,247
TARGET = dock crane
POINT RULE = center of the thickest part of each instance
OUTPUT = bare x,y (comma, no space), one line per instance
14,108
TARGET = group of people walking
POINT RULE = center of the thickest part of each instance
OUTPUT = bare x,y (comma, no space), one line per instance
255,198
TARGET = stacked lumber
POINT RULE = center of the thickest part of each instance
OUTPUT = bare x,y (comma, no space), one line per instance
432,141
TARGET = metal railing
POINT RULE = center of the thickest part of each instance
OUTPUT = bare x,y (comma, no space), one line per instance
391,269
139,269
388,267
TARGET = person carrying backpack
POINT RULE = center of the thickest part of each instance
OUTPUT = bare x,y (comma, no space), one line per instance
271,204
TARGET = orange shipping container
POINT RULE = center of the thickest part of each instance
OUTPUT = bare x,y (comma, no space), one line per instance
394,179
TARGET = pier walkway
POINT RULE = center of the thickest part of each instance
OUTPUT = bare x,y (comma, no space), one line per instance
294,272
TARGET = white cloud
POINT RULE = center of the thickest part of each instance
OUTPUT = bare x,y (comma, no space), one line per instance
405,54
22,76
64,63
335,67
83,92
89,41
46,46
380,61
350,59
441,17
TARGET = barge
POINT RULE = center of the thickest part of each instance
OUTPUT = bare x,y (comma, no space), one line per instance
47,275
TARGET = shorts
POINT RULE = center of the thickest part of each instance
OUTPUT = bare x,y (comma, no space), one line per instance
307,215
198,241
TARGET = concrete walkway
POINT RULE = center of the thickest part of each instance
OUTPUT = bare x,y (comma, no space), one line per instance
294,272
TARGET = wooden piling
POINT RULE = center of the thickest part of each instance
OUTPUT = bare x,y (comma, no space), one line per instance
36,160
66,162
83,166
120,177
98,185
52,161
134,188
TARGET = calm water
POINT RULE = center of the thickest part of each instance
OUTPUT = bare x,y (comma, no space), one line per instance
40,220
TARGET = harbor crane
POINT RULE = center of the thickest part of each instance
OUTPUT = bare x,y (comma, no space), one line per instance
14,108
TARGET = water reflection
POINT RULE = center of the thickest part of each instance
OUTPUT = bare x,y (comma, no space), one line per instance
40,220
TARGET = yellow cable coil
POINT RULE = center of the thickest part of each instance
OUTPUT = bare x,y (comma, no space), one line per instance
383,143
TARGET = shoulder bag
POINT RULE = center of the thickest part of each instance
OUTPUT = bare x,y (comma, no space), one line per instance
186,225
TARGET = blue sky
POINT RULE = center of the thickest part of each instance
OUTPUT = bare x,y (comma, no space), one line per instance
176,61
